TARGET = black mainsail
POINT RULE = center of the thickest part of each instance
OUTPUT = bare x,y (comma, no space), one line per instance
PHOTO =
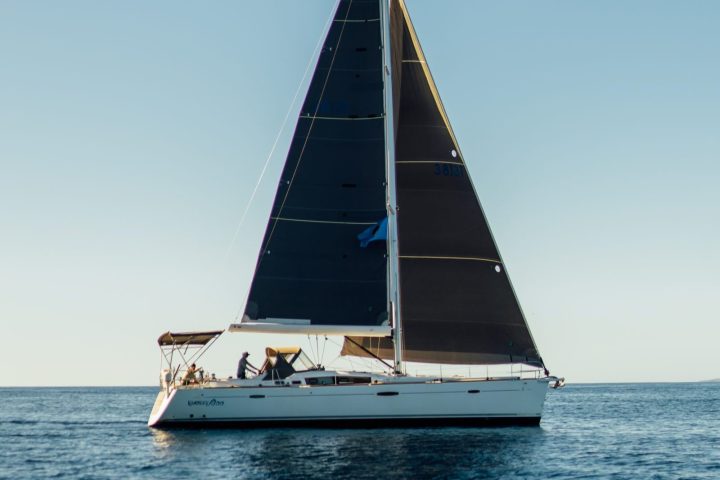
456,302
311,266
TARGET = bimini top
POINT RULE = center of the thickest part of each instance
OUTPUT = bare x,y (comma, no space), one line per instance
188,338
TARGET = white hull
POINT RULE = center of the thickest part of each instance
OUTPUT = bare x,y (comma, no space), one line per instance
404,402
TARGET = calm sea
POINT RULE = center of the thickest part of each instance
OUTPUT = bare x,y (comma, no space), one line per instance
624,431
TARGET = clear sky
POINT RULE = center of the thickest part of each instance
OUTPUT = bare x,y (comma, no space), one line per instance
133,133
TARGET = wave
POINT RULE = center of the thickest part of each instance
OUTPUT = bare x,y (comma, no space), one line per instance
71,422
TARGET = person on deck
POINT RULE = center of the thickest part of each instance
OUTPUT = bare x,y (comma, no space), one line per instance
190,375
244,365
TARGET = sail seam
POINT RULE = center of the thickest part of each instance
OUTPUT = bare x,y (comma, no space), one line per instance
312,117
351,69
364,20
320,280
431,161
321,221
430,257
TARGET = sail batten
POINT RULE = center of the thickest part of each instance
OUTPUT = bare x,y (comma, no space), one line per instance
373,117
307,220
468,259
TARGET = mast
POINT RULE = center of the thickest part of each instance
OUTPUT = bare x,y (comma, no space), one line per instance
393,266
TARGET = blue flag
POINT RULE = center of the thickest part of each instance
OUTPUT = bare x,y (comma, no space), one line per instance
373,233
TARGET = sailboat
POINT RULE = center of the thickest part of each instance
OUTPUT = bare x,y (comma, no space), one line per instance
376,235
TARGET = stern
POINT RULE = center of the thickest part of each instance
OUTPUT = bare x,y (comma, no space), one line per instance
161,403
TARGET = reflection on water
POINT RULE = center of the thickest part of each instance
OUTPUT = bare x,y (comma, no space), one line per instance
604,431
287,453
164,440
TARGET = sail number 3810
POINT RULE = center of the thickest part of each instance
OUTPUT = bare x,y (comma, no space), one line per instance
448,170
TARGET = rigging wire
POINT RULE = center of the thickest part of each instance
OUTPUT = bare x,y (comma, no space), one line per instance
312,351
322,355
307,136
317,349
367,363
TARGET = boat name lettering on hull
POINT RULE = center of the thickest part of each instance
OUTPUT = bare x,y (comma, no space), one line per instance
205,403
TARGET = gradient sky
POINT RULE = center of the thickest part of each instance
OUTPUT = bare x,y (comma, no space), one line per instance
133,133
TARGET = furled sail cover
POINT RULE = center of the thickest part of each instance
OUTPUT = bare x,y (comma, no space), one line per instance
311,266
456,300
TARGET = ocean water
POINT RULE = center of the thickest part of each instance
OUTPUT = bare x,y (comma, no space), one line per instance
628,431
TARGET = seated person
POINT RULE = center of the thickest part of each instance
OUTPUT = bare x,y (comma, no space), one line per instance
190,375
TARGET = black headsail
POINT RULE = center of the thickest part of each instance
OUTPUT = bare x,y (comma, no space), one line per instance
315,264
457,303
